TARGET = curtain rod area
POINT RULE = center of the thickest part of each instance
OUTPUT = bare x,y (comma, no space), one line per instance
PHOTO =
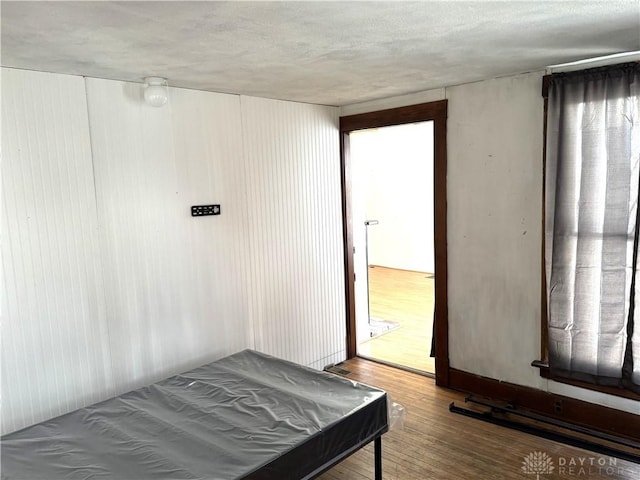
595,62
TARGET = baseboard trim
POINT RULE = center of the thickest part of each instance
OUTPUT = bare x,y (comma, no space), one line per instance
585,414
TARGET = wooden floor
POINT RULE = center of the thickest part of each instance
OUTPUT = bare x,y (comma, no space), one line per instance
436,444
407,298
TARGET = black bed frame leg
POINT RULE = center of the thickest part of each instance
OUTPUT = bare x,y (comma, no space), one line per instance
378,457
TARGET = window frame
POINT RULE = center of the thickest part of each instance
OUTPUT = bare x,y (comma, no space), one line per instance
543,363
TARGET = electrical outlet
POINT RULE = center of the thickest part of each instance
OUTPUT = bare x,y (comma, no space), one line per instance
202,210
557,406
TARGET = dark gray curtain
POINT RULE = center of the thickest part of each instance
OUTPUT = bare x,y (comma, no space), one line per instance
592,175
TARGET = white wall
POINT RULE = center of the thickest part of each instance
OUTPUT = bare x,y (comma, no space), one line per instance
296,275
393,170
55,339
174,284
494,213
494,231
109,283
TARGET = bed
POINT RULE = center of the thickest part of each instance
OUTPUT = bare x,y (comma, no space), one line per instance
246,416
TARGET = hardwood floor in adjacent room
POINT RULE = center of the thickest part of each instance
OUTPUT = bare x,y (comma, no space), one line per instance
405,297
439,445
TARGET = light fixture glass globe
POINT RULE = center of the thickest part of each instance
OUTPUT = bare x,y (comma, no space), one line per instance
155,92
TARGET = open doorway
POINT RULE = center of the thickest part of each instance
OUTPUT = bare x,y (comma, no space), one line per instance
435,112
392,218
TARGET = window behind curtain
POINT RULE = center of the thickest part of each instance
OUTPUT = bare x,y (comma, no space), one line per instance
592,175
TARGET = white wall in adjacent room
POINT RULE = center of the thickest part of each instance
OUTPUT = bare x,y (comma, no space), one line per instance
392,176
391,182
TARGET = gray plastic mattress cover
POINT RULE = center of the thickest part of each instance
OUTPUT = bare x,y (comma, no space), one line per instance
248,415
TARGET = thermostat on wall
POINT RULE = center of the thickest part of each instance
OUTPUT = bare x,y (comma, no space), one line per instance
202,210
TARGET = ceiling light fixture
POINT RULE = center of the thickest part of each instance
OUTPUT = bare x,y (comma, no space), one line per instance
155,91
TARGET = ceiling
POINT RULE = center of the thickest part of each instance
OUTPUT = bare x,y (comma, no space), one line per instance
331,53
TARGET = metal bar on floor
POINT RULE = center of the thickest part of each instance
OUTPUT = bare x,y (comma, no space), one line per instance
548,434
511,410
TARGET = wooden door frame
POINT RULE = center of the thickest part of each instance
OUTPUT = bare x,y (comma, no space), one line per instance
432,111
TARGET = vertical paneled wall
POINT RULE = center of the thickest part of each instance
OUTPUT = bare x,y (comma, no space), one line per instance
174,283
55,336
296,277
109,283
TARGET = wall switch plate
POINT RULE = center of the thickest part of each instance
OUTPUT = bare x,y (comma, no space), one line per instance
202,210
